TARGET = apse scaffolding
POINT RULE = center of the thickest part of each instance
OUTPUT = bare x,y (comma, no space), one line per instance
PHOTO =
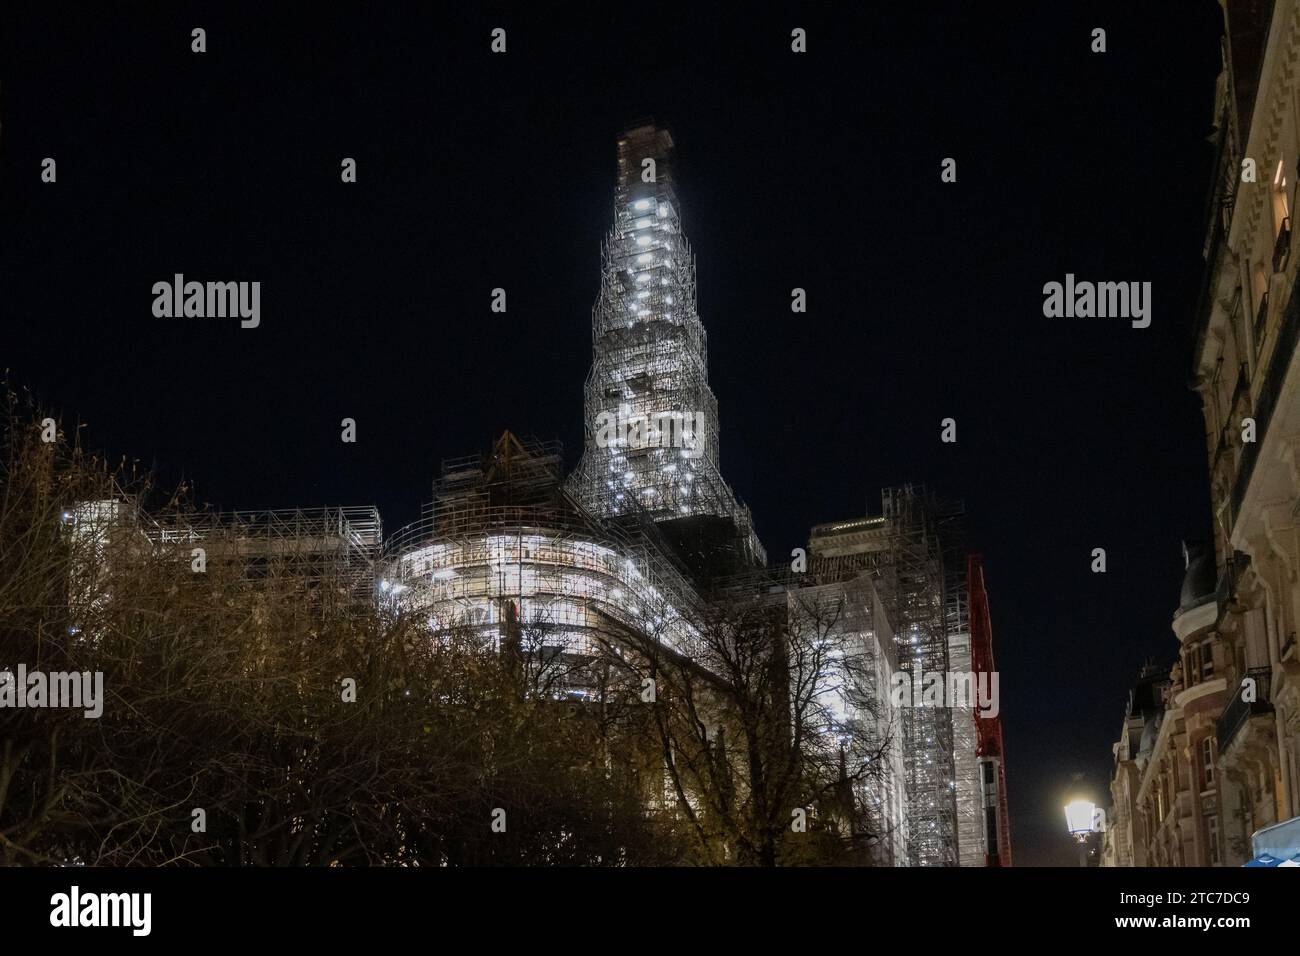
502,543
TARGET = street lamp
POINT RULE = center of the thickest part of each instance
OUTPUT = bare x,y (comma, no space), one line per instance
1079,816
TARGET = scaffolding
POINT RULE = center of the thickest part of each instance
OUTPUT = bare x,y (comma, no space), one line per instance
503,543
917,584
651,419
338,544
950,523
912,551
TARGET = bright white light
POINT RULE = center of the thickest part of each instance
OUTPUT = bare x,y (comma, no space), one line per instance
643,240
644,257
642,204
663,211
1078,816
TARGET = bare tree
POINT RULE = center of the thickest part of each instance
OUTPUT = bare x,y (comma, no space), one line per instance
769,730
227,735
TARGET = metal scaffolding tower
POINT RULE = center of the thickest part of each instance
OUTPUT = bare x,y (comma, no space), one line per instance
921,609
651,420
912,550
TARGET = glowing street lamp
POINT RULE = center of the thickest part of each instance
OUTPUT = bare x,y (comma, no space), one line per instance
1079,817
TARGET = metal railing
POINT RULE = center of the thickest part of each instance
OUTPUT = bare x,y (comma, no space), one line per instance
1261,318
1219,205
1236,714
1287,335
1282,247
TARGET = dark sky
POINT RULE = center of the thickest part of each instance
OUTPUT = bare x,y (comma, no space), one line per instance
819,171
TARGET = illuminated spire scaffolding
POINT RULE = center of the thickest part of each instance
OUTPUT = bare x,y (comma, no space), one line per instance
651,420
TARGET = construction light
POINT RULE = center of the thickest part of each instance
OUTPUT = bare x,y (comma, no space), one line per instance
642,204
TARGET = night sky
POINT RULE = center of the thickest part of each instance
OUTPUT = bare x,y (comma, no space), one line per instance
819,171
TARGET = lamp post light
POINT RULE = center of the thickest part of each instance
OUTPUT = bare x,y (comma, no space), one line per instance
1079,817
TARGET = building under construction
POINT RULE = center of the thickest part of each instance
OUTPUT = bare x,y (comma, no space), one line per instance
913,552
651,420
503,544
646,531
334,545
646,534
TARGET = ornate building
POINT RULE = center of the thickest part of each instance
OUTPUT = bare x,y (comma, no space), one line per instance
1248,375
1226,760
